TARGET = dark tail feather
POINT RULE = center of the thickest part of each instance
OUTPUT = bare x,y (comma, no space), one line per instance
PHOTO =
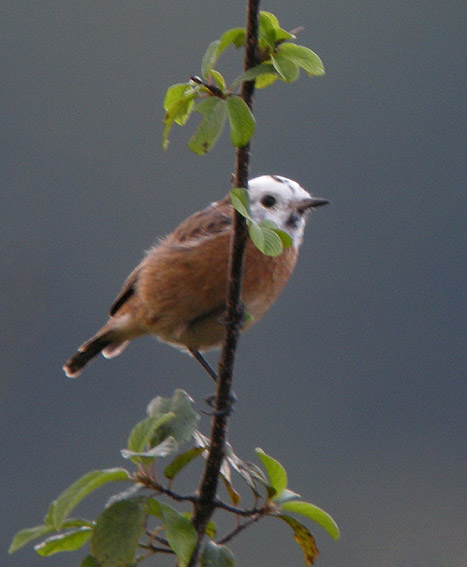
86,353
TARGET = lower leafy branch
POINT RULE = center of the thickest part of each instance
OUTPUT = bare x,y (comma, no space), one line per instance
138,523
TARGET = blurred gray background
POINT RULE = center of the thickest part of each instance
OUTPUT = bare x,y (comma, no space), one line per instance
355,379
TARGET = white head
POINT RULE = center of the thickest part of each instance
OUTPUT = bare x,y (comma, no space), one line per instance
282,201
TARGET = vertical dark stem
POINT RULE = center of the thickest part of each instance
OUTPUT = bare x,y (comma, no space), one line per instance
234,312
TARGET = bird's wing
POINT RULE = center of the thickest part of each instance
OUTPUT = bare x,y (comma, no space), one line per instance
212,220
128,290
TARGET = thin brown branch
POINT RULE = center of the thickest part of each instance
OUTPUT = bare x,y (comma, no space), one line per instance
238,529
206,503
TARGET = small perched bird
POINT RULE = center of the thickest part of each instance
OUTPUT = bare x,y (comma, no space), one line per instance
178,291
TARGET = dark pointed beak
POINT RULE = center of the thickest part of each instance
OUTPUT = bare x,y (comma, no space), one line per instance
311,203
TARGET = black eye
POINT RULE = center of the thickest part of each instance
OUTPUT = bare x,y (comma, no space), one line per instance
268,201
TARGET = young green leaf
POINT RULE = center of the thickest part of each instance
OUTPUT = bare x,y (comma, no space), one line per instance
141,435
303,537
285,237
27,535
241,120
268,24
69,541
259,71
185,421
276,473
234,36
214,555
303,57
213,110
265,239
209,59
62,506
241,201
285,66
313,513
218,79
180,532
269,18
178,102
115,538
286,496
181,461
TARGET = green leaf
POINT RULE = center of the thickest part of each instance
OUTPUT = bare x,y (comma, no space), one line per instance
286,496
213,110
276,473
303,57
142,433
313,513
267,29
265,239
167,447
179,102
265,80
182,426
285,66
214,555
24,537
62,506
218,79
181,461
287,240
209,59
241,201
303,537
180,532
69,541
234,36
241,120
27,535
115,538
283,35
270,18
259,71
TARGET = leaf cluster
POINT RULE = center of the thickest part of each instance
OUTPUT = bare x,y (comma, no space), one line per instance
280,59
139,523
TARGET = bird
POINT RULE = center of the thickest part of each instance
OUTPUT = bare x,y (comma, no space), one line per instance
178,291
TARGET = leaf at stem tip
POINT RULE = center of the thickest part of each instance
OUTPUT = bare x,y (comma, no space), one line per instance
209,59
69,498
314,513
276,473
68,541
303,57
